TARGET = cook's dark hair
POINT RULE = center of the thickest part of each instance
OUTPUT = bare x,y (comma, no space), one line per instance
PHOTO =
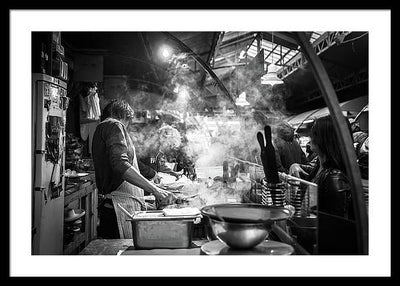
324,136
118,109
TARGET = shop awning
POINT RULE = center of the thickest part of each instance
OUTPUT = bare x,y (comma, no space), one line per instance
354,105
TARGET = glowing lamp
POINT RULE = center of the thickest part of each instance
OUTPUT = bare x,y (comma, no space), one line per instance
165,52
241,100
271,77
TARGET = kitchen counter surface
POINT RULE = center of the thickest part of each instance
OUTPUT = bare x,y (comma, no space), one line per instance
125,247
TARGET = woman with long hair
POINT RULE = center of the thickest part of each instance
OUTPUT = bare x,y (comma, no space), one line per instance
336,233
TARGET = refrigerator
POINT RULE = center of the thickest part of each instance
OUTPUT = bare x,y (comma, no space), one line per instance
49,108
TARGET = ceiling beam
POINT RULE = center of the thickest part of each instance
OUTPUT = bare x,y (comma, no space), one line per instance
215,40
149,53
204,65
272,50
350,81
216,50
286,37
229,66
236,40
280,39
323,43
281,60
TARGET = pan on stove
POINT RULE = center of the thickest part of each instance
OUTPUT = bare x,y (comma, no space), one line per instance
245,213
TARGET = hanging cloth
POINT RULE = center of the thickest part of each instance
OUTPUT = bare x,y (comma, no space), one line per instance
84,131
93,103
90,105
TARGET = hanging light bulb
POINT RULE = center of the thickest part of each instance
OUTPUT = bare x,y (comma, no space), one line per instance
241,100
271,77
165,52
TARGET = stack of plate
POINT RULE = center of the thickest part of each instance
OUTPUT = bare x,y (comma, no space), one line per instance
296,199
278,197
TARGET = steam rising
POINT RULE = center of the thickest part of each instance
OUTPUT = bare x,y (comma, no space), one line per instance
208,141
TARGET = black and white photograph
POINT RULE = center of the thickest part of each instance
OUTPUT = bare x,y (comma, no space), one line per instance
200,143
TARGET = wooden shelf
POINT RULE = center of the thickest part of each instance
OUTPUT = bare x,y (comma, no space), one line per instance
83,186
83,190
85,193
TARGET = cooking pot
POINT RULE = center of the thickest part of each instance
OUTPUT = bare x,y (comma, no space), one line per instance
241,225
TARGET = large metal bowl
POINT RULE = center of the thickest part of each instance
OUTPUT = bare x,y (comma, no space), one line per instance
242,226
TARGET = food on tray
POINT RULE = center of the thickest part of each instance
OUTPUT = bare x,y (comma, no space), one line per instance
148,214
70,173
188,211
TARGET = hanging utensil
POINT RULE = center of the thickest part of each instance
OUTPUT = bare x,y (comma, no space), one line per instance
268,156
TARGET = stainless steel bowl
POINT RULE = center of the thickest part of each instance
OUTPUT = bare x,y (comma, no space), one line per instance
239,235
242,225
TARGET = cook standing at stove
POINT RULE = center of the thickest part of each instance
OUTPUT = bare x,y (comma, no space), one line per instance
168,141
288,150
116,169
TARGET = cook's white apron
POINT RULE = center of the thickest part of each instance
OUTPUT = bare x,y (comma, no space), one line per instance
129,197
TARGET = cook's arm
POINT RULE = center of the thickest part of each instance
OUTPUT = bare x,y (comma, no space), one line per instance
118,152
134,177
303,159
147,172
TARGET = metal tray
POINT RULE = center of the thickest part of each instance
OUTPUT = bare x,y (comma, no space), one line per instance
162,232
